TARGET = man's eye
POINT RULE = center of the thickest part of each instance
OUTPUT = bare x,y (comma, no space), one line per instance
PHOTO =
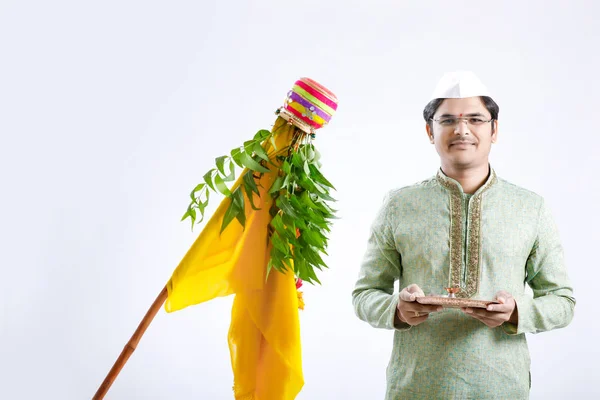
476,121
448,121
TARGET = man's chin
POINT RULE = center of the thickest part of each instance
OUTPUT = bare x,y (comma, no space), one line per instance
462,162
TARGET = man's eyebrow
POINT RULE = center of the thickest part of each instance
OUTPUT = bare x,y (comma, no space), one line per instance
466,115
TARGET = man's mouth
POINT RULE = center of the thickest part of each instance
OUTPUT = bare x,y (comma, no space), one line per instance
461,142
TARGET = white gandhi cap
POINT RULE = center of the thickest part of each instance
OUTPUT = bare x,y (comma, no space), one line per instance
458,85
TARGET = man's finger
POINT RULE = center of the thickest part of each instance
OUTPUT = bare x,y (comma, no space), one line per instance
414,288
503,296
485,313
406,296
412,319
499,308
422,308
485,316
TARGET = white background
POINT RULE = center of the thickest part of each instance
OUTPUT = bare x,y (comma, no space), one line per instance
112,111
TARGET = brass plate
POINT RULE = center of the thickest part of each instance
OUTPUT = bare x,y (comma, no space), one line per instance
454,302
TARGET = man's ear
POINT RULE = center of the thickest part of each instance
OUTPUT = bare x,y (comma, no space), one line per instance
494,131
429,132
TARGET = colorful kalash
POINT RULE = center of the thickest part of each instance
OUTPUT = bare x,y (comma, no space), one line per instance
309,105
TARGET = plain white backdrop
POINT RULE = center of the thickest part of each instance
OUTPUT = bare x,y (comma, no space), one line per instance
112,111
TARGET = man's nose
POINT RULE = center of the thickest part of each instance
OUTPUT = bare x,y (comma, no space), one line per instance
462,127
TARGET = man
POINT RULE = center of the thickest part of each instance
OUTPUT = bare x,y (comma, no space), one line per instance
465,227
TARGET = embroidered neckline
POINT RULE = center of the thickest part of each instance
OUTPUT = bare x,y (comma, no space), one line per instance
453,185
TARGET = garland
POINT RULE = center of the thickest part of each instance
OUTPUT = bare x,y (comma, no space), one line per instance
301,214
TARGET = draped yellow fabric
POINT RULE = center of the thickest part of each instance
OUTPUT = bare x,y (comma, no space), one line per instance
264,335
264,341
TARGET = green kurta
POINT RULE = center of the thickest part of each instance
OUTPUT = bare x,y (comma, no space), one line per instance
433,234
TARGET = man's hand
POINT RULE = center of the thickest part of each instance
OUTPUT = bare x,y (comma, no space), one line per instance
411,312
497,314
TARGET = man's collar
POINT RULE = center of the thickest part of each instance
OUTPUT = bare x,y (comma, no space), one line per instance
453,185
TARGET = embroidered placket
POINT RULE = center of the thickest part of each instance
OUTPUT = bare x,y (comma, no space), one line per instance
465,241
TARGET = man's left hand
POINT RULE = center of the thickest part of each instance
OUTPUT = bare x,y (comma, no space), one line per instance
496,314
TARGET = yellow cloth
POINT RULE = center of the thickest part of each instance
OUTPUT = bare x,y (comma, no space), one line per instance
264,335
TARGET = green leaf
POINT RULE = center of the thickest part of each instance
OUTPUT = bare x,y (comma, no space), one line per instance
324,195
231,176
304,181
306,200
301,267
306,168
222,186
249,146
208,179
258,149
317,156
287,263
277,256
317,176
286,167
323,206
313,257
284,204
312,276
252,164
262,135
290,224
272,138
277,223
236,155
190,213
230,214
238,198
220,161
279,243
301,224
316,218
206,193
196,189
312,238
276,186
250,197
298,206
286,182
201,207
297,160
193,213
250,187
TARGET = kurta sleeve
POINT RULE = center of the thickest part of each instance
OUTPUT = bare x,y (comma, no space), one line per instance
372,297
552,304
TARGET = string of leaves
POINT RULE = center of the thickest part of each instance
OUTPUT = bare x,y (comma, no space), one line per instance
251,156
301,215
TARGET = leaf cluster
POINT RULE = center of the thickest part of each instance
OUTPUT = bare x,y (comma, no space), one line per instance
300,211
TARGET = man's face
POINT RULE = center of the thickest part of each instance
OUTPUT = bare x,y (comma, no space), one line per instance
461,137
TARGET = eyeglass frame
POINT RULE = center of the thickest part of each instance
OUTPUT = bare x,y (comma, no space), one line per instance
457,118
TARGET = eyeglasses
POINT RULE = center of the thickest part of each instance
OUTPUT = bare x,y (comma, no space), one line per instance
452,121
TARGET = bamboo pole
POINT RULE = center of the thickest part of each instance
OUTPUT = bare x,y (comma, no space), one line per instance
131,345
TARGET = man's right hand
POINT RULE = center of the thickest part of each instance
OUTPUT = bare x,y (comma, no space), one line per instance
411,312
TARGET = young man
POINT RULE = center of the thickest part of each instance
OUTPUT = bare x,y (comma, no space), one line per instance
465,227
